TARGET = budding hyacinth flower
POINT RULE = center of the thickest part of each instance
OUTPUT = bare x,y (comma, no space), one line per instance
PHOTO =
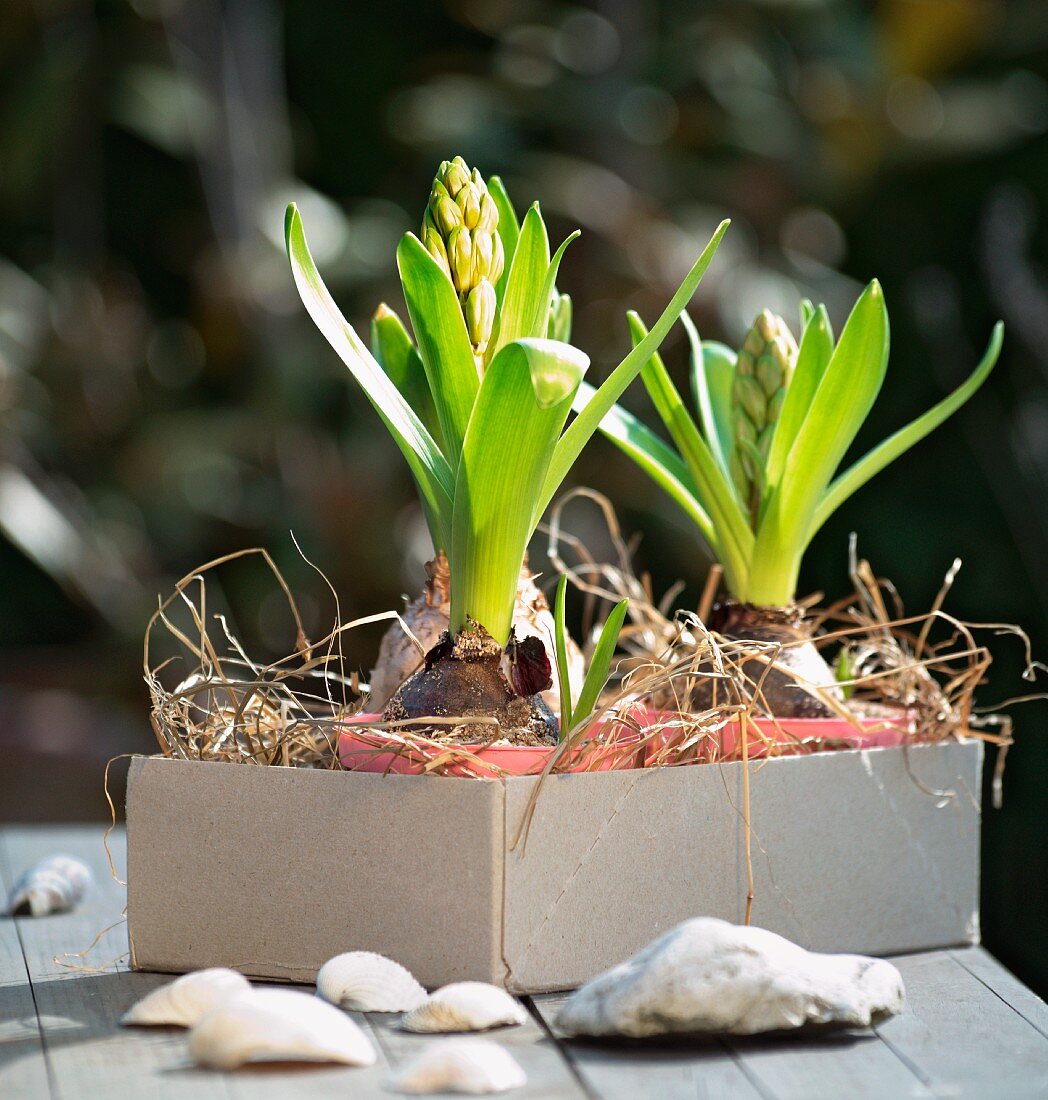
480,314
460,231
559,326
763,371
460,256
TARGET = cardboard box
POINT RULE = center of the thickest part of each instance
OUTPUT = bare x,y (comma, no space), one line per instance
274,870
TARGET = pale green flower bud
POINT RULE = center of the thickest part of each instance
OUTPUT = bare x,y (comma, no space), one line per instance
738,474
483,249
434,243
456,175
763,370
498,257
460,257
559,325
764,441
769,373
468,201
480,314
752,346
775,403
460,231
446,215
489,213
749,465
749,395
744,429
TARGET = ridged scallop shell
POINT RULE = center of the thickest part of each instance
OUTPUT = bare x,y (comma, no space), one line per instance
53,885
182,1002
474,1066
365,982
465,1006
277,1025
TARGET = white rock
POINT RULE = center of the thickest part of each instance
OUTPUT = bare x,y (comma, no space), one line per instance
473,1066
182,1002
365,982
277,1025
709,975
53,885
465,1006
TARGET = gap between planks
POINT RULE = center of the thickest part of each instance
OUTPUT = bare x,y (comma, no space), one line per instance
88,1053
23,1062
97,1057
970,1030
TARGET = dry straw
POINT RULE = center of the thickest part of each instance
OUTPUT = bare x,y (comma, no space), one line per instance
288,712
232,708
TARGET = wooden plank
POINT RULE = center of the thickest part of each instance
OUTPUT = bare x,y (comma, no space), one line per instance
961,1038
671,1070
23,1067
88,1053
970,1029
826,1066
786,1067
548,1072
980,963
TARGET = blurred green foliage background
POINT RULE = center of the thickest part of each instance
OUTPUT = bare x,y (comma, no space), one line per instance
164,399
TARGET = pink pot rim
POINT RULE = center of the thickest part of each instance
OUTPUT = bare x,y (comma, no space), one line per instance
365,753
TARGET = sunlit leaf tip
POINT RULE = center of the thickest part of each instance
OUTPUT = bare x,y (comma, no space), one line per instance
556,368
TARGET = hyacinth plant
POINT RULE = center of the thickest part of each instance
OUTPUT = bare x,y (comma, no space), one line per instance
756,470
477,395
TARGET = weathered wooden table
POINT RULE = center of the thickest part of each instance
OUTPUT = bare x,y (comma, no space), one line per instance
970,1028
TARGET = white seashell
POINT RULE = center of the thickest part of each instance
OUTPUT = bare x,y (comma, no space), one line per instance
473,1066
465,1006
709,975
51,886
365,982
277,1025
182,1002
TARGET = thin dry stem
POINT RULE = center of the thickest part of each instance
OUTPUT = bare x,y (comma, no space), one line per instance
913,674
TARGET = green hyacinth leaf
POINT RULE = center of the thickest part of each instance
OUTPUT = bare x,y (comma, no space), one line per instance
560,647
508,229
392,346
600,663
845,394
901,441
813,357
581,429
556,369
524,308
712,375
504,461
443,341
715,489
656,458
429,466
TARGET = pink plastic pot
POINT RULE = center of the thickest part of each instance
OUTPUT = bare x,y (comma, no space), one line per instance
788,736
373,750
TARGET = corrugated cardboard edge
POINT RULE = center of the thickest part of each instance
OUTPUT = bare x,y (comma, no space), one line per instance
131,813
590,824
205,890
928,880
